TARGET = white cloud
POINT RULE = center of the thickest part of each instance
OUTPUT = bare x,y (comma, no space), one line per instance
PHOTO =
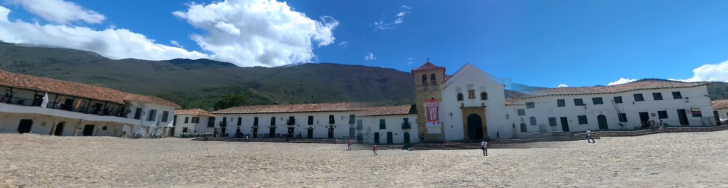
409,62
175,43
621,81
709,72
409,59
562,85
59,11
344,44
111,42
257,32
369,57
381,25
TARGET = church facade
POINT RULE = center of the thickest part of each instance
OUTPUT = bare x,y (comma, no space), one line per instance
472,105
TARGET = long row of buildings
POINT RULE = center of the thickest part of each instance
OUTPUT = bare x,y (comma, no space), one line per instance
468,105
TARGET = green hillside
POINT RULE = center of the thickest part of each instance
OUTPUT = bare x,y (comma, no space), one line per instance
200,83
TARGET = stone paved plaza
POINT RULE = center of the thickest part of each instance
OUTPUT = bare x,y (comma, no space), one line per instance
660,160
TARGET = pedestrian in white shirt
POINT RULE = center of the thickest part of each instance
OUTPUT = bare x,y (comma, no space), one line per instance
484,146
589,137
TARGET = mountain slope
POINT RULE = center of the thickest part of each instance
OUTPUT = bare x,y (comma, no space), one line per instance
199,83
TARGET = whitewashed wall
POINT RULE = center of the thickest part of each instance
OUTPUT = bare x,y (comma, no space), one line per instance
495,105
393,124
546,107
200,127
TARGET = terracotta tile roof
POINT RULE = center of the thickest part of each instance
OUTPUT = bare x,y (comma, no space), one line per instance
388,110
365,108
35,83
632,86
428,66
720,104
193,112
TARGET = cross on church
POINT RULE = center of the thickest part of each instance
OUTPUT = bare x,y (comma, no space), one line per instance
450,114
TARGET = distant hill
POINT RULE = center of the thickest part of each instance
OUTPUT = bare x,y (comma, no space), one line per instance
200,83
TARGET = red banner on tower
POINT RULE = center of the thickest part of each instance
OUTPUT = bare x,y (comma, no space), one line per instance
432,111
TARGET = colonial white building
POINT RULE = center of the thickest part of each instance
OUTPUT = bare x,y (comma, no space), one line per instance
192,121
46,106
472,105
356,121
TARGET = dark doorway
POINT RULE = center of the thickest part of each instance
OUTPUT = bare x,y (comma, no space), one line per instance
171,132
88,130
390,138
272,132
331,132
644,117
717,117
524,128
59,129
223,131
25,125
255,132
406,138
376,138
564,124
602,121
68,104
681,114
475,124
290,131
352,132
37,100
238,134
310,133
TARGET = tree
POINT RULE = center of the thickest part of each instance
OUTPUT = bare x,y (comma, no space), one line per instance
232,100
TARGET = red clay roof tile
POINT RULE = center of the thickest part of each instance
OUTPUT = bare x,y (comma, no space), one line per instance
193,112
365,108
720,104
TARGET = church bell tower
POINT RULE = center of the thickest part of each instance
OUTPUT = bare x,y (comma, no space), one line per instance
428,80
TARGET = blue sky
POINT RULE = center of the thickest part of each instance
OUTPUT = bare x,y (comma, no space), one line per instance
539,43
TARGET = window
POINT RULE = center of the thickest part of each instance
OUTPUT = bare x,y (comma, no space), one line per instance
210,122
174,121
460,97
483,96
424,80
582,120
552,121
164,116
352,119
676,95
152,115
560,102
255,121
597,100
657,96
184,129
273,121
662,114
521,112
622,117
530,105
618,99
332,120
291,120
138,113
533,120
696,112
310,120
240,121
639,97
382,125
104,128
433,80
187,119
471,94
578,102
195,119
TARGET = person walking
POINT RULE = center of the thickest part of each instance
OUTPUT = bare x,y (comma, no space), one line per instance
589,138
497,135
349,145
374,148
484,146
246,138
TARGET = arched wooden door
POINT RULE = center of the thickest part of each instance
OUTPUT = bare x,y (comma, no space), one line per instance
602,121
524,127
475,127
